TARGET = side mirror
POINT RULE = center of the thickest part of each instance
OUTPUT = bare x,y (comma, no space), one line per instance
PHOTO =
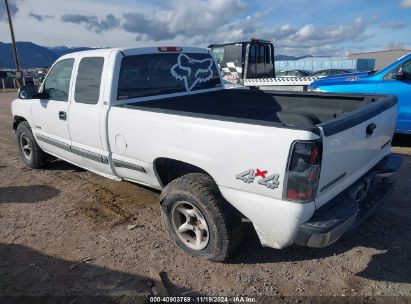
399,75
28,92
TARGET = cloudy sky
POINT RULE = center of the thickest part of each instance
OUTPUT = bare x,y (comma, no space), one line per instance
321,27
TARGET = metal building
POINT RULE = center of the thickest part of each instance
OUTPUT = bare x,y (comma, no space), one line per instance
323,63
382,58
359,62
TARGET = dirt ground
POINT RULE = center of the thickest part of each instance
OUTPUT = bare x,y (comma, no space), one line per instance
53,219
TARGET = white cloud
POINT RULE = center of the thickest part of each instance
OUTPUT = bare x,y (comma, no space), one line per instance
202,22
406,3
307,39
316,40
309,35
183,18
394,25
178,22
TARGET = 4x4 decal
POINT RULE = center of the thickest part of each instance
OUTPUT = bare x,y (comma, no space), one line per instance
249,176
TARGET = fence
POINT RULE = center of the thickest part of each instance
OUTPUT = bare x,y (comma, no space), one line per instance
318,64
7,84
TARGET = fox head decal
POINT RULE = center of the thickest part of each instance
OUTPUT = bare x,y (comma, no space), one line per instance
192,71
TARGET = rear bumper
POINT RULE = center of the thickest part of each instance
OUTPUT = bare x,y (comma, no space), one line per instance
350,208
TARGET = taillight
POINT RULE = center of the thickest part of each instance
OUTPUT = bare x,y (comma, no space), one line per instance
303,171
169,49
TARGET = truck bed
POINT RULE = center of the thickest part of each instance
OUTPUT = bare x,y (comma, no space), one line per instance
302,110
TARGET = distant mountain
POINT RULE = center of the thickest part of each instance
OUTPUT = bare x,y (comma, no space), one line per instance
63,50
32,55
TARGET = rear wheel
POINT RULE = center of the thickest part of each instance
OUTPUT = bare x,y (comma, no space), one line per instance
190,225
198,219
30,152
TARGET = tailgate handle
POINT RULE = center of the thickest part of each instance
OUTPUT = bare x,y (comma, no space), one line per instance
370,128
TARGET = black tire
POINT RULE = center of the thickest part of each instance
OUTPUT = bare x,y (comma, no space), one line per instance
224,222
34,159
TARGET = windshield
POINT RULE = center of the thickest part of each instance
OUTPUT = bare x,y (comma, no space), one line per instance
156,74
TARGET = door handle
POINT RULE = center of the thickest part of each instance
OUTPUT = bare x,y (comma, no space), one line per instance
371,128
62,115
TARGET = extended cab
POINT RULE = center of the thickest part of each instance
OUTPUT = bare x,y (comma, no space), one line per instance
304,168
393,79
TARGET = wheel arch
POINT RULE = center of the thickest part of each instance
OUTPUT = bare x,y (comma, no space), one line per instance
168,169
17,120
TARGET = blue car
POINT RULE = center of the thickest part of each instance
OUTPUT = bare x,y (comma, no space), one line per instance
394,79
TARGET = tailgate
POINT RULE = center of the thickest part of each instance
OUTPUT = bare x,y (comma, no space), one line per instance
353,144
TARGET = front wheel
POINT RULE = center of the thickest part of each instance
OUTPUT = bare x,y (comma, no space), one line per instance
30,152
198,219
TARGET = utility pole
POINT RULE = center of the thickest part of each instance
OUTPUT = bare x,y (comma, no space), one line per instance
13,40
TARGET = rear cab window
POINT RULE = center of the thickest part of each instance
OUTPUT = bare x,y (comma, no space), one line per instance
168,73
260,61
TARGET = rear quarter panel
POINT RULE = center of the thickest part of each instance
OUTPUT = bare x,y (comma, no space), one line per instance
222,149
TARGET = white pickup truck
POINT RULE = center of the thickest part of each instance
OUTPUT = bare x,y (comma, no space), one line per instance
304,168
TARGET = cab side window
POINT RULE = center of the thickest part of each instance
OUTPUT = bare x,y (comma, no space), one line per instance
57,83
89,80
406,69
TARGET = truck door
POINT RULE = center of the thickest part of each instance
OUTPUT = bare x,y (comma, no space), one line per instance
87,118
401,88
50,111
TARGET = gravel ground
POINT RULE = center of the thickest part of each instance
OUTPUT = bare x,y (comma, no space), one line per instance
64,232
